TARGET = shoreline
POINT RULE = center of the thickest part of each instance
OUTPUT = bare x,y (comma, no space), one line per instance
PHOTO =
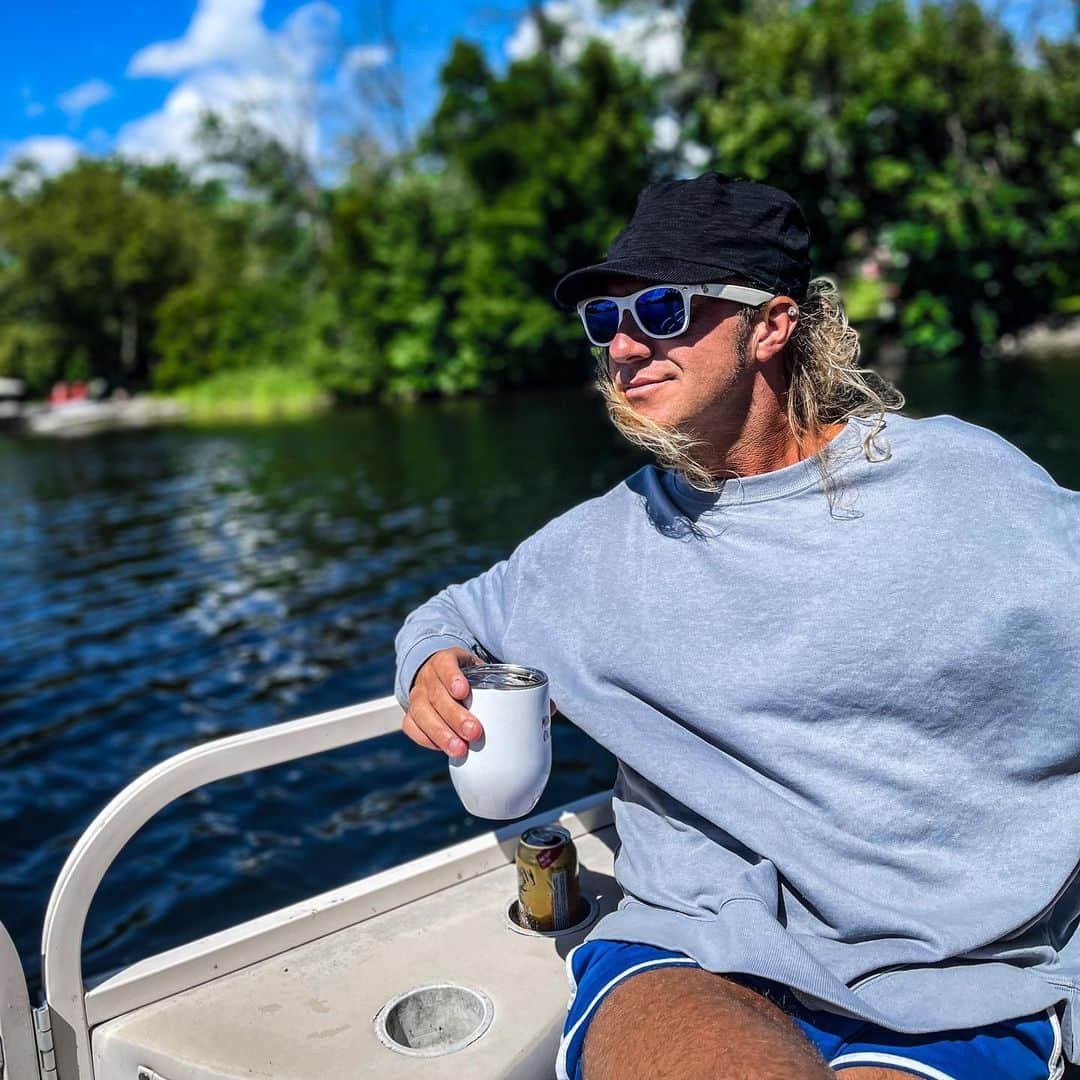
264,395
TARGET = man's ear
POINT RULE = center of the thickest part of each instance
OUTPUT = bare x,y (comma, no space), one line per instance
777,323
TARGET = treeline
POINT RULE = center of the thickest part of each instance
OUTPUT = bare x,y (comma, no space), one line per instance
936,159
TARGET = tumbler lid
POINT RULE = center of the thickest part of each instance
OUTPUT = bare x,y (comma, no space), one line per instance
503,677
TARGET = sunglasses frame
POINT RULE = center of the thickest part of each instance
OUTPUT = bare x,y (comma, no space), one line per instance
740,294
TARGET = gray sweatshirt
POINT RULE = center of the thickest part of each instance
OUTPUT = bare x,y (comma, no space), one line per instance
848,728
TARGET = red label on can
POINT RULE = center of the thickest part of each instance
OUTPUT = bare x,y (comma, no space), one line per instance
547,856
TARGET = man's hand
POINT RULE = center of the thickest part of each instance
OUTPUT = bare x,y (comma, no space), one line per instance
435,719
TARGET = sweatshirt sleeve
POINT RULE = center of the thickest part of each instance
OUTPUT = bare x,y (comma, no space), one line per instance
474,613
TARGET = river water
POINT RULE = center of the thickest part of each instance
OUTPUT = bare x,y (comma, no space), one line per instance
163,588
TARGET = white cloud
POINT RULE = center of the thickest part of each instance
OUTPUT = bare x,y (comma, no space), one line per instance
82,97
172,132
52,154
651,38
230,63
310,40
525,40
221,31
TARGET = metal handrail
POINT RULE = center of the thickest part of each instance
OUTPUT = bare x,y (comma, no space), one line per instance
65,919
18,1049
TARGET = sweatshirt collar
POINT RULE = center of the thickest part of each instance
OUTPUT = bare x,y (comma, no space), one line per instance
790,480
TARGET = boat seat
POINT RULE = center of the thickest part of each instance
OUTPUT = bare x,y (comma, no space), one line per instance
308,1012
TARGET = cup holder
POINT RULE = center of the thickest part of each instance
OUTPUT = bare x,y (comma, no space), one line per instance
429,1021
586,916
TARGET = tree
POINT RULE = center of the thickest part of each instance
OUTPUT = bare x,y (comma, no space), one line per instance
920,141
85,260
917,135
555,156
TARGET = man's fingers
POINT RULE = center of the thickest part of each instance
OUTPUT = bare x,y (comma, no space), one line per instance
417,736
448,668
434,727
435,718
455,715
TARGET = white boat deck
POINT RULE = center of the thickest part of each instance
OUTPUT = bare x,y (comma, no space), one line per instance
308,1012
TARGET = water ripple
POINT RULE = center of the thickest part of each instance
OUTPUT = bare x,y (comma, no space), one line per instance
176,587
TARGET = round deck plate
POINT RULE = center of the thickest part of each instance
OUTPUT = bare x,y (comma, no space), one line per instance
586,920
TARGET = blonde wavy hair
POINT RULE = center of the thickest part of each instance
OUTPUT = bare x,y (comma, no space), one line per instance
824,386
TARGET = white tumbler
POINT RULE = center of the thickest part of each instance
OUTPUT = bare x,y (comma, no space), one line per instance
507,768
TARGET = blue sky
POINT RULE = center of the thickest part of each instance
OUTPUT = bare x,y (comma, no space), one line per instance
94,77
67,72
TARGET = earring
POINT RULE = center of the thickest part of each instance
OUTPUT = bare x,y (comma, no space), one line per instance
792,312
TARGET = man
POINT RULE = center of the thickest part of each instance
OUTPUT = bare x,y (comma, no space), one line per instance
836,655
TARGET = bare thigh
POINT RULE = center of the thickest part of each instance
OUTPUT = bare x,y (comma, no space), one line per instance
683,1023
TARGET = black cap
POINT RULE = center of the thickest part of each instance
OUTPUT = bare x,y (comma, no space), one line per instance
689,232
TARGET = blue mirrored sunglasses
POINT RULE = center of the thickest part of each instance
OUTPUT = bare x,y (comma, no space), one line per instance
660,311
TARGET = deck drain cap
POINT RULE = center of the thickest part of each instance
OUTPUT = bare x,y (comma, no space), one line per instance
429,1021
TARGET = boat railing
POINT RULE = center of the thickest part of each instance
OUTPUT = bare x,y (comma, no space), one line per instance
71,1012
18,1048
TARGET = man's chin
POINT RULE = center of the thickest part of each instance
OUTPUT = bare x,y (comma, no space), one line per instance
659,413
657,416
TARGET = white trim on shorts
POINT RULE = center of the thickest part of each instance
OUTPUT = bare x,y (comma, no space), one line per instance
1055,1066
564,1043
873,1057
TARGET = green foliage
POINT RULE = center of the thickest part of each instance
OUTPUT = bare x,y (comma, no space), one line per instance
32,350
338,353
407,230
442,272
919,130
555,157
928,326
938,167
257,394
863,299
85,259
206,327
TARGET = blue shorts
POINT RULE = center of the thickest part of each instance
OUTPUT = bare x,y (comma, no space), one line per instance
1026,1049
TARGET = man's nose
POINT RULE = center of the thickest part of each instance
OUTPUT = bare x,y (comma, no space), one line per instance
624,346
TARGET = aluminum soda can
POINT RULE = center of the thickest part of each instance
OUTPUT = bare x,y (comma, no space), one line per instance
547,867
